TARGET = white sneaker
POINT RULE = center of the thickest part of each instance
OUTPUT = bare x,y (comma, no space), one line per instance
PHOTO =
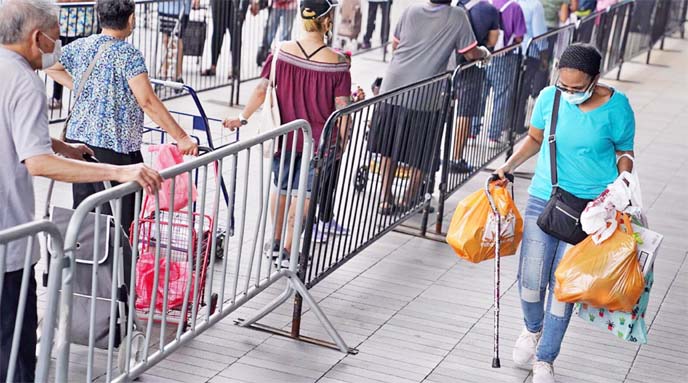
524,349
543,372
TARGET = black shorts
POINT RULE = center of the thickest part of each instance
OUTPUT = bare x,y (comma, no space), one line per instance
405,135
168,22
471,92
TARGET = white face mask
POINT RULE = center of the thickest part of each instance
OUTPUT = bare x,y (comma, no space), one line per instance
50,59
578,97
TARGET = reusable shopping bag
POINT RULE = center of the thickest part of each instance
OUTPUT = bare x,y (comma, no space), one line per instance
472,232
606,275
168,156
629,326
145,283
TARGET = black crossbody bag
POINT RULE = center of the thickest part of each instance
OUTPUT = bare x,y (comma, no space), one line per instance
561,217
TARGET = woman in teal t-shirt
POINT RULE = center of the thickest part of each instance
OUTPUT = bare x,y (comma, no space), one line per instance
595,125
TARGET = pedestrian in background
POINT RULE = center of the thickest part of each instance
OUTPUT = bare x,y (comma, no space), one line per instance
384,6
173,16
557,12
108,116
223,17
29,41
595,126
425,38
75,23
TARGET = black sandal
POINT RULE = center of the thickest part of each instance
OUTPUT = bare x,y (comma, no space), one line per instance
208,72
387,208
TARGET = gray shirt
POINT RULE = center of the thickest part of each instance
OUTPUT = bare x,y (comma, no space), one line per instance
427,36
23,134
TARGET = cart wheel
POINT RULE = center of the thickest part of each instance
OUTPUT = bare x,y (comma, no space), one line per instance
213,303
220,244
137,344
361,178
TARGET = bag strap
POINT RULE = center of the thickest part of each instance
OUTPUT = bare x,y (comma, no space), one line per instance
471,4
273,65
82,82
505,6
552,141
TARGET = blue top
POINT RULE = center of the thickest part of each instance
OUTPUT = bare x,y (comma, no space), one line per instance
107,114
534,14
586,144
174,7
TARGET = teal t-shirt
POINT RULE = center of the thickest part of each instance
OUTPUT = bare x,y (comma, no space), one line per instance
586,144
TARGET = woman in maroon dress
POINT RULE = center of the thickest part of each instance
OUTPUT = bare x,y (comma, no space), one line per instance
313,82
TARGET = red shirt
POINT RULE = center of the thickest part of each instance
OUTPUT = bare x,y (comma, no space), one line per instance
306,90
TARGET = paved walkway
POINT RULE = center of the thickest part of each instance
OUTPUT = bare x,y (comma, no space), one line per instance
418,314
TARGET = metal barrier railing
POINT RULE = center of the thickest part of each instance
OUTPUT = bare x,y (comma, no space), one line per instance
185,278
374,167
20,246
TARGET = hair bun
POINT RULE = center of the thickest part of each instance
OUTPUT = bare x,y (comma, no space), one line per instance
308,14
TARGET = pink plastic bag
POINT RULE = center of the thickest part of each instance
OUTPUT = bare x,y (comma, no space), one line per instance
168,156
145,280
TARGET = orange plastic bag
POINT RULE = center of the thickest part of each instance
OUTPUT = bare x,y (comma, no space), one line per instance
607,275
473,227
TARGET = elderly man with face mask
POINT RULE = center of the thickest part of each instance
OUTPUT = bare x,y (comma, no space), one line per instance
29,40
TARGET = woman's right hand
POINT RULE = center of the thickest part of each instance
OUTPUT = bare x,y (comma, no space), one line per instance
232,123
187,146
502,171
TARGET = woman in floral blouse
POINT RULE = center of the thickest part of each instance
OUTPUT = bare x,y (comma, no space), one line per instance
108,116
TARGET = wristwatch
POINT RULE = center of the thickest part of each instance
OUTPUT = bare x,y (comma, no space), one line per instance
243,119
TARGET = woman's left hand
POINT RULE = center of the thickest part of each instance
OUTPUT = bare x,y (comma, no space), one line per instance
358,95
76,151
232,123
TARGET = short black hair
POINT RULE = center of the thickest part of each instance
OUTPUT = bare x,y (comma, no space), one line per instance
114,14
583,57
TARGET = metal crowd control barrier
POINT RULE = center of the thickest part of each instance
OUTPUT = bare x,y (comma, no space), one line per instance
374,167
18,300
183,287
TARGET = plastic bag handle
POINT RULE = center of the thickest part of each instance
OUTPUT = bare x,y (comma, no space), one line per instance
626,221
495,177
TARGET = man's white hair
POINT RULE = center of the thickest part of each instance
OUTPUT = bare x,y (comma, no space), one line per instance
19,17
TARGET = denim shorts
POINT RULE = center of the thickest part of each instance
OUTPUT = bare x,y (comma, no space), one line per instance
286,175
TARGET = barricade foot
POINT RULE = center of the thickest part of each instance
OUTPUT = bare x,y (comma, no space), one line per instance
296,286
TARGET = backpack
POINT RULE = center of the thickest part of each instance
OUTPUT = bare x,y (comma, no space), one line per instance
350,21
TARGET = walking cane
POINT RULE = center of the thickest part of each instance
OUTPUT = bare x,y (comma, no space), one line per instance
498,230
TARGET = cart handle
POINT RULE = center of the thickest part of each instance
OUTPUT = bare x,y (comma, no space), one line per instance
171,84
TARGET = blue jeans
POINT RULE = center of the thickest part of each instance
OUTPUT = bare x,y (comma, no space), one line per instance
496,79
286,17
540,255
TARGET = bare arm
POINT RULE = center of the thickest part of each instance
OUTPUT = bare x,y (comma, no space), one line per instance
574,5
625,163
150,103
476,53
68,170
564,12
59,74
254,102
492,37
530,147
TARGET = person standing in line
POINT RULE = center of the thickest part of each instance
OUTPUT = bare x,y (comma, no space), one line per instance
29,41
595,126
485,22
75,23
313,81
281,12
427,35
513,25
223,16
557,12
109,115
385,7
170,14
534,15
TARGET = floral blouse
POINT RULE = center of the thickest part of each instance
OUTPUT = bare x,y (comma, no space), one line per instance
107,114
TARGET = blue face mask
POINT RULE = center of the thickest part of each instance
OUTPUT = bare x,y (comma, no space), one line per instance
578,97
